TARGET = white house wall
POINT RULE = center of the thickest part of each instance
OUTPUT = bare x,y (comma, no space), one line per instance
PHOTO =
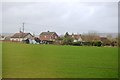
16,39
21,39
80,39
2,38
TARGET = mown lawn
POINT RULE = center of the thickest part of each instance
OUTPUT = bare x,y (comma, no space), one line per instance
50,61
0,60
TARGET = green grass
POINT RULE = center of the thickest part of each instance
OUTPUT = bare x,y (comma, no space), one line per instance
52,61
0,60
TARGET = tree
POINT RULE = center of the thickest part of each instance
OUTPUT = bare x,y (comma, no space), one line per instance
97,43
110,37
67,41
66,35
90,37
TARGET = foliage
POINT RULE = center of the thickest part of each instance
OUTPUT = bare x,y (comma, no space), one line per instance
97,43
66,35
67,41
77,43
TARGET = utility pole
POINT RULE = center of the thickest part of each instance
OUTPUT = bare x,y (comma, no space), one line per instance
20,29
23,30
23,26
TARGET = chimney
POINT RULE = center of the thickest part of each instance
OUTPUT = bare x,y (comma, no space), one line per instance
20,30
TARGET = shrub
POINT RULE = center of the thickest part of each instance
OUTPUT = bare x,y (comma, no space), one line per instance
76,43
67,41
97,43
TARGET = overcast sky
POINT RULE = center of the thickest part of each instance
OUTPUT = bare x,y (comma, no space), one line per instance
61,17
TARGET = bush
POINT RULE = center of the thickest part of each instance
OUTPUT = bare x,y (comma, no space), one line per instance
87,43
97,43
76,43
67,41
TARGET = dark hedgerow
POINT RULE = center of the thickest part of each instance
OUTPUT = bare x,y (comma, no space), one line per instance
77,43
97,43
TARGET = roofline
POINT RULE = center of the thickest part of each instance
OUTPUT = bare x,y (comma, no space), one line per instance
21,37
47,32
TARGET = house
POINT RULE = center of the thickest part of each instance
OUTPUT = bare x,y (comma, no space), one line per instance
2,38
76,37
21,36
48,36
5,36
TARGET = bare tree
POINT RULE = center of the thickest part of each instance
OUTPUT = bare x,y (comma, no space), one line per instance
91,36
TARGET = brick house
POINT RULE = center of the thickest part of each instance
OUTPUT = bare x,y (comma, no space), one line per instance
48,36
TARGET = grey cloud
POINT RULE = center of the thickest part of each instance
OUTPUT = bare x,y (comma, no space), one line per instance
60,17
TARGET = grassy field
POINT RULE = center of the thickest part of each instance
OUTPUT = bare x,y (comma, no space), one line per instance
50,61
0,60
